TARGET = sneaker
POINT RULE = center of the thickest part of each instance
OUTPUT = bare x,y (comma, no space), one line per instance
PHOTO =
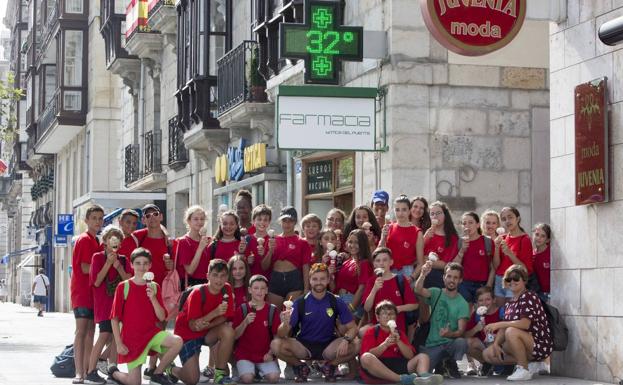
427,378
301,372
520,374
342,370
453,369
111,370
169,372
485,370
40,314
102,366
288,373
221,378
471,369
147,373
315,371
407,379
538,367
206,374
328,371
94,379
159,379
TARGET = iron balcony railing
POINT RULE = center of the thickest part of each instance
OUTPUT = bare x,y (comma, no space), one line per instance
131,163
178,154
238,78
48,115
152,153
155,5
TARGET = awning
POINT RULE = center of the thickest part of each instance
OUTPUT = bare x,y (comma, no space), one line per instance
5,258
26,261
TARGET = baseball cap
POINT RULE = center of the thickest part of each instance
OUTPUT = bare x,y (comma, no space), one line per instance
288,212
380,196
150,206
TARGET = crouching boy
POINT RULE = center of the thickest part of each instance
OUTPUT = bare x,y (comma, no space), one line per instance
256,324
138,306
387,356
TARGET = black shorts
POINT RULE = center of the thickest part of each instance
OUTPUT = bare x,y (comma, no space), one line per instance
315,348
83,312
105,326
396,365
283,283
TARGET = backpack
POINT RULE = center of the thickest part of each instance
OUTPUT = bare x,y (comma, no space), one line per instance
63,365
301,310
271,315
410,316
488,245
557,326
204,294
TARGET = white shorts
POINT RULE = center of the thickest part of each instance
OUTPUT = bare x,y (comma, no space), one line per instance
248,367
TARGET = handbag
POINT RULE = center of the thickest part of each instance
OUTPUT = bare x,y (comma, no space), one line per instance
171,292
421,333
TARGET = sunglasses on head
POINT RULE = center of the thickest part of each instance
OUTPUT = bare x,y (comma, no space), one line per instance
154,214
318,267
515,278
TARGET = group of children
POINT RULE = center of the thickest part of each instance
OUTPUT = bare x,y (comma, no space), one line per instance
239,286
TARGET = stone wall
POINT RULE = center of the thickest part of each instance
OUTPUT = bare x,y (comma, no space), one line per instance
586,253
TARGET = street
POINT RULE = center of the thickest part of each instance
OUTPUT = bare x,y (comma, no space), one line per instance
28,344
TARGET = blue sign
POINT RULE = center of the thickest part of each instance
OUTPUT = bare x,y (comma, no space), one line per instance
65,224
235,159
60,240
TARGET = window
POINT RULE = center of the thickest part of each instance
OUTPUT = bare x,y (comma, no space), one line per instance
73,58
50,83
329,182
72,100
74,6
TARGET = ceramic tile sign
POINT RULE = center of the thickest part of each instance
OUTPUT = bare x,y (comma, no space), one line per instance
591,142
474,27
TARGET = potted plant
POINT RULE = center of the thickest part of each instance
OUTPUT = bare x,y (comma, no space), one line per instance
257,84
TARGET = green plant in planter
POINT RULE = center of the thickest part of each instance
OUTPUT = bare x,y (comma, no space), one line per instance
257,84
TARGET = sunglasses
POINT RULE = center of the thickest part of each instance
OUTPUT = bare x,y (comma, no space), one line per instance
515,278
318,267
155,214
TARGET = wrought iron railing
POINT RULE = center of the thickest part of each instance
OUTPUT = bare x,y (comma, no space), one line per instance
152,153
178,154
48,115
131,162
238,78
155,5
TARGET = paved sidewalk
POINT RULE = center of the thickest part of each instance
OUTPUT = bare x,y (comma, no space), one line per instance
28,344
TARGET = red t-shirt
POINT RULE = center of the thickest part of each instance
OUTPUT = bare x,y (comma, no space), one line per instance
256,266
349,279
292,249
542,269
158,248
240,296
437,244
81,295
137,314
476,262
104,294
521,247
390,292
193,309
369,342
186,249
224,250
489,319
254,343
402,242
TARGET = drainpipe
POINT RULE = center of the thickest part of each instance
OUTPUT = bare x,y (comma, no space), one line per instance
289,179
141,116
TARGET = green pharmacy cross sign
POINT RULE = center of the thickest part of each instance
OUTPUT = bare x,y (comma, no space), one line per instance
321,41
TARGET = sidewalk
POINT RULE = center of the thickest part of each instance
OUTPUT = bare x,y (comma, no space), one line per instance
28,344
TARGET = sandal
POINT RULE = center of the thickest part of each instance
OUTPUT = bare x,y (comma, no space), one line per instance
77,380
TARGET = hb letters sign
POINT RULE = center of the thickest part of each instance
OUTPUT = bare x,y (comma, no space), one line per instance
591,142
474,27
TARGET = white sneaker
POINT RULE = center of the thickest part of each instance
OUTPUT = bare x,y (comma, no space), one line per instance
520,374
538,367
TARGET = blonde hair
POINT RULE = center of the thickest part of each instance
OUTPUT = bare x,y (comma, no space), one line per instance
484,215
110,231
192,210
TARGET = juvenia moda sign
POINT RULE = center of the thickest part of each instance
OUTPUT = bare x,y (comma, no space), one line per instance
326,118
591,142
474,27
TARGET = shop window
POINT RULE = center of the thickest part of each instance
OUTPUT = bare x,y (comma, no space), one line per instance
329,182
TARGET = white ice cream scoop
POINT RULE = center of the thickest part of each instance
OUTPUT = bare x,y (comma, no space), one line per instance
388,218
288,304
432,256
482,310
271,233
330,247
379,272
149,276
333,254
392,325
500,231
434,222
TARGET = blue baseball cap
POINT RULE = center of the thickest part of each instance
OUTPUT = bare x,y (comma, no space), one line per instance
380,196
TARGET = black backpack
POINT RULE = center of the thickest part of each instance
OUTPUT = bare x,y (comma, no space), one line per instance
202,288
271,314
301,310
557,327
63,365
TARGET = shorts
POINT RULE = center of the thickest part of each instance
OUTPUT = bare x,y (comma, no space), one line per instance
499,290
283,283
315,349
105,326
263,368
42,299
395,364
468,289
348,299
155,344
83,312
190,348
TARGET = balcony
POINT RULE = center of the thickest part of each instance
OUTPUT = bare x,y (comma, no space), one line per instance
61,120
131,161
162,16
141,39
152,153
178,155
242,100
150,177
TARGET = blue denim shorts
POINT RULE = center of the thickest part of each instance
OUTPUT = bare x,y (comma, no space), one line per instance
348,299
468,290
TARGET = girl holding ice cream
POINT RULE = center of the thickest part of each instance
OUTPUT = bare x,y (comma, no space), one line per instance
193,253
238,278
419,214
354,272
441,239
327,242
226,242
362,217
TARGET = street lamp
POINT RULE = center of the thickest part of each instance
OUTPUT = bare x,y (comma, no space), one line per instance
611,32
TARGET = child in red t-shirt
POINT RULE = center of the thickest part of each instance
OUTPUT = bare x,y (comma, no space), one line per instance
388,357
441,239
192,251
261,246
86,245
255,333
477,339
108,268
205,320
542,234
238,279
226,241
138,306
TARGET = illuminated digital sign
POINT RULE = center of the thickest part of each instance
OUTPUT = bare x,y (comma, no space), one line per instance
321,41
